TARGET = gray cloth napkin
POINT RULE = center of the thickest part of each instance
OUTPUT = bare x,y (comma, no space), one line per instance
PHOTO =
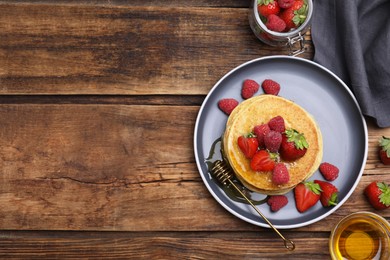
352,39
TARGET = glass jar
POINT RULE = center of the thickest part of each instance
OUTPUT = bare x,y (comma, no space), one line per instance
293,39
360,235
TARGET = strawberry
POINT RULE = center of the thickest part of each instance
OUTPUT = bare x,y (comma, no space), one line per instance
306,195
249,88
260,131
329,193
294,145
378,194
267,7
295,15
274,23
277,202
270,87
329,171
277,124
272,141
384,152
227,105
262,161
248,145
280,174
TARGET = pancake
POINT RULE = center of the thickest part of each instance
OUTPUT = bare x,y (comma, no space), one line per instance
259,110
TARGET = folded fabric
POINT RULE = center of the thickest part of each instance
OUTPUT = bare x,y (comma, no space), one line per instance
352,39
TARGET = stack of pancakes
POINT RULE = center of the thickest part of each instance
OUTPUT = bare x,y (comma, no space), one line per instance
259,110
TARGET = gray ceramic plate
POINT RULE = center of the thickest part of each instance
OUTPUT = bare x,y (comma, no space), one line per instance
324,96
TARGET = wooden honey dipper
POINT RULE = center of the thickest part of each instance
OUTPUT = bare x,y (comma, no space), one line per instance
224,175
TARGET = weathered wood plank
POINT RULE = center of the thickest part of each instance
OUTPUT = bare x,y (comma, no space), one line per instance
159,100
66,49
161,245
117,167
89,158
173,3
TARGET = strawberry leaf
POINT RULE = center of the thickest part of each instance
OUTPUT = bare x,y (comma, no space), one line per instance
250,135
333,199
300,15
298,138
384,142
274,156
385,196
296,19
314,187
264,2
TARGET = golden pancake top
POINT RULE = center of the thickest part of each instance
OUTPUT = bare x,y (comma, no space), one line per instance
259,110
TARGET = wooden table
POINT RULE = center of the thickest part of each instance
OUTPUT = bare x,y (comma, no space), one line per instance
98,102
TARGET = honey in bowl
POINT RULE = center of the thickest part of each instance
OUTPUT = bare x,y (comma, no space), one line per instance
361,235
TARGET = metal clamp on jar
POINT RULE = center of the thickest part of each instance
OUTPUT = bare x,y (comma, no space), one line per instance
293,39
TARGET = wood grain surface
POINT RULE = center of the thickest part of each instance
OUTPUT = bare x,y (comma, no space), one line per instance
98,102
122,50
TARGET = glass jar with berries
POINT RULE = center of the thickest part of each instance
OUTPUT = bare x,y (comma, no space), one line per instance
281,22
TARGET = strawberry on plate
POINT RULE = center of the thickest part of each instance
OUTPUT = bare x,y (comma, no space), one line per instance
306,195
329,193
384,152
248,145
378,194
267,7
294,145
295,15
262,161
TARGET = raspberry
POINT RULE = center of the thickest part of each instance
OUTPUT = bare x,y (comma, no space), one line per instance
277,124
329,171
249,88
285,3
272,141
271,87
227,105
277,202
260,131
280,174
275,23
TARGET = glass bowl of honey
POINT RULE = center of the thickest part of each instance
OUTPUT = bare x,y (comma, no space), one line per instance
360,235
